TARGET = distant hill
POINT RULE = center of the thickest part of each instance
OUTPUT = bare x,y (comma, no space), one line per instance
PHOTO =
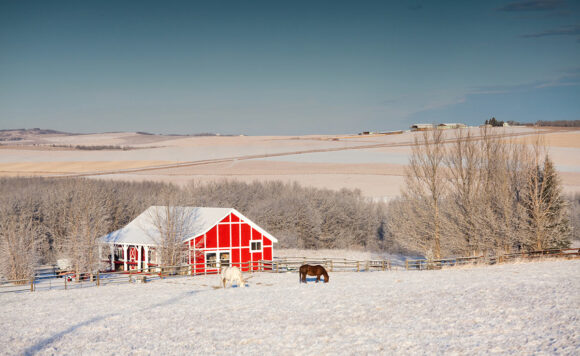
34,134
14,135
36,131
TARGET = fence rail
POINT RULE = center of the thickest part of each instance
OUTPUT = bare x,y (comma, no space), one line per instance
287,264
422,264
53,281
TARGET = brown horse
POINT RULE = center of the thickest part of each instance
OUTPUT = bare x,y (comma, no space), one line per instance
308,270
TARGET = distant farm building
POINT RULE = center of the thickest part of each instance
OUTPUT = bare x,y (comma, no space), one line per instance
211,238
421,127
447,126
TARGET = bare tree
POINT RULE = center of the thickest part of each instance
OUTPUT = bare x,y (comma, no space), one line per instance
465,162
574,200
172,225
169,225
498,205
78,214
20,242
503,196
421,218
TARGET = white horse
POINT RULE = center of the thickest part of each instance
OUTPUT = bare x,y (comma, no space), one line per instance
230,275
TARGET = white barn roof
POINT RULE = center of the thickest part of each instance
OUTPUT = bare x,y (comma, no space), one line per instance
192,221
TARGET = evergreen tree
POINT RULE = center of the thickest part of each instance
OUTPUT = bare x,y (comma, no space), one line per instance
548,222
558,229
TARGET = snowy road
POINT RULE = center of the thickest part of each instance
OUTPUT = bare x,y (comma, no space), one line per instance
526,308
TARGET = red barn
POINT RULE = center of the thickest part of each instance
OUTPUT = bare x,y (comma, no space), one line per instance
211,237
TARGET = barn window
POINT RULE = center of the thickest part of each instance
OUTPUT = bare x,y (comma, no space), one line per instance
255,246
211,260
224,259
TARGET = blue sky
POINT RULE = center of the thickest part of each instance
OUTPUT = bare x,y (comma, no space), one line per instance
288,67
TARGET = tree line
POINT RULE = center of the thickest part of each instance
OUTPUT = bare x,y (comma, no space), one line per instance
556,123
43,219
477,195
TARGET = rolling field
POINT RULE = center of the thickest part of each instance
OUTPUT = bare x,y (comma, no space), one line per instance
374,164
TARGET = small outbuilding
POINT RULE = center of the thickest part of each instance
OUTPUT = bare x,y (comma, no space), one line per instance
210,238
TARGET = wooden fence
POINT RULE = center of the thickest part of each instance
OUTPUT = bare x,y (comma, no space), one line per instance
287,264
53,281
50,281
423,264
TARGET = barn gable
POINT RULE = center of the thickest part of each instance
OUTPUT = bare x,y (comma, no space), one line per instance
236,216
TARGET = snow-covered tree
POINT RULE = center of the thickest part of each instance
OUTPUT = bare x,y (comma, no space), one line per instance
77,215
419,218
20,241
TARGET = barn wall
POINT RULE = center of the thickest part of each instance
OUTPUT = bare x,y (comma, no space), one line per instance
211,238
234,236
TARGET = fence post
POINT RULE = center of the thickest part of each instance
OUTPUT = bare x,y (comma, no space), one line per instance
389,265
98,278
32,284
357,266
406,264
383,262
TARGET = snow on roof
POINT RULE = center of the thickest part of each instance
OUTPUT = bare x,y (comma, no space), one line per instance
191,221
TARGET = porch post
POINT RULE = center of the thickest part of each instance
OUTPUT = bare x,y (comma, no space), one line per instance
146,267
112,257
124,257
189,258
139,258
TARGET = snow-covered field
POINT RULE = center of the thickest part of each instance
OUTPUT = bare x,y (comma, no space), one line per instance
374,164
525,308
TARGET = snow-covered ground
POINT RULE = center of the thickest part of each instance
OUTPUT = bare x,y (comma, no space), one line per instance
525,308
